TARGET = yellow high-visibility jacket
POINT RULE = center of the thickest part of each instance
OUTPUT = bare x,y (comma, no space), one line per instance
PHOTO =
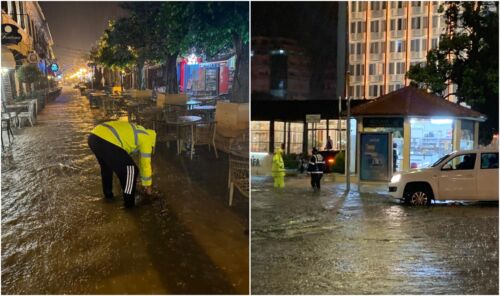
278,167
131,138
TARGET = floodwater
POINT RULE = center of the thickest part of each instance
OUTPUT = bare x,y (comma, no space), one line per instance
366,243
60,237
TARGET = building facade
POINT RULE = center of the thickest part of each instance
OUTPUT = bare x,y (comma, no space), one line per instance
387,37
26,39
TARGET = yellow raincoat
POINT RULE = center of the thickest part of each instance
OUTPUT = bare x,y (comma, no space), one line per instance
131,138
278,169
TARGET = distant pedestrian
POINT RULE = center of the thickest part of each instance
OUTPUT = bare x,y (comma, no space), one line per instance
329,144
315,168
112,143
278,168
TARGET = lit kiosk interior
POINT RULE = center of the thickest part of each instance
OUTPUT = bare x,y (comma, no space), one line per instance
423,127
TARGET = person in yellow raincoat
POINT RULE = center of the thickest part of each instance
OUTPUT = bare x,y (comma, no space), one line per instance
112,143
278,168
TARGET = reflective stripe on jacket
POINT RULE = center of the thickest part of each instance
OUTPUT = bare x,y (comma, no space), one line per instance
317,164
131,138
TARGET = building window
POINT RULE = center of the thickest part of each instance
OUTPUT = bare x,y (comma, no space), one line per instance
375,90
400,68
415,45
425,21
279,74
14,11
398,46
260,136
430,140
398,4
374,48
296,137
398,24
353,27
360,48
424,45
435,20
21,15
353,6
415,23
360,69
361,6
374,28
416,4
361,27
434,43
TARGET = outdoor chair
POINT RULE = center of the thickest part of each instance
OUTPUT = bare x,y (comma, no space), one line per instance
205,135
7,127
238,177
27,115
11,115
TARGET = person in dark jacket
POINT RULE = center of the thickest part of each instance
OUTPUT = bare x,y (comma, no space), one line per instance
315,168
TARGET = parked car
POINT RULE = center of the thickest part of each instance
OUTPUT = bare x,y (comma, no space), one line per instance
329,157
460,175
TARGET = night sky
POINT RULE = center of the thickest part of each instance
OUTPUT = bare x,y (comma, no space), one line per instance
76,26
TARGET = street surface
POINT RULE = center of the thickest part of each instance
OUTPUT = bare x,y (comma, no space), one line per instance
60,237
365,243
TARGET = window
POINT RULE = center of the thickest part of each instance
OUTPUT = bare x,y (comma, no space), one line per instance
398,24
376,69
352,48
374,48
21,15
489,160
461,162
371,69
424,45
375,90
374,28
398,46
357,69
360,48
415,23
400,68
415,45
353,27
435,20
14,11
296,137
361,27
398,4
425,20
434,43
391,71
260,136
416,3
362,6
353,6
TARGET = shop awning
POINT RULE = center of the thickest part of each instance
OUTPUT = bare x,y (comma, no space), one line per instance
412,101
8,61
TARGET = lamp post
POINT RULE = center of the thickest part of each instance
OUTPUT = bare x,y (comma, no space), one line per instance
348,138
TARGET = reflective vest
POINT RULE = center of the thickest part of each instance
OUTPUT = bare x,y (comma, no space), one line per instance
316,165
131,138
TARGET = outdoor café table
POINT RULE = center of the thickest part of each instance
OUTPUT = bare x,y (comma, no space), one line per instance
149,116
134,107
208,109
189,122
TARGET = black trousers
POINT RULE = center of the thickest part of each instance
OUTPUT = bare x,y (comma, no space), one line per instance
112,158
316,180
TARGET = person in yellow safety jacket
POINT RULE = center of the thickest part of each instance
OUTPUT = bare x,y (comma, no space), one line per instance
112,143
278,169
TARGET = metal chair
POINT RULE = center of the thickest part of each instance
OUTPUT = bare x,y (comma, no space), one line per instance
29,115
238,177
205,135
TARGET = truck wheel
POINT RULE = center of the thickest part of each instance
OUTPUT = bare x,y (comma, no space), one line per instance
419,196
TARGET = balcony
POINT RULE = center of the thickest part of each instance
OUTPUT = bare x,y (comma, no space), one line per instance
355,57
417,55
377,13
375,78
376,35
397,34
398,12
376,57
397,78
417,33
417,10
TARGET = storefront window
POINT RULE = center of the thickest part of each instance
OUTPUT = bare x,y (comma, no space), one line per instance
279,134
338,134
352,148
430,139
296,137
260,136
467,135
316,135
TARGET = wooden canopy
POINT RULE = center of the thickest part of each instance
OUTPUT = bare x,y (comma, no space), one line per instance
411,101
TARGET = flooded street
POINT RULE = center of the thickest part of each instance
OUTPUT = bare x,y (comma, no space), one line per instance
365,243
60,237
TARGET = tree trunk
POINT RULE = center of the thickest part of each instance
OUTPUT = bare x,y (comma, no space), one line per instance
140,74
240,81
170,74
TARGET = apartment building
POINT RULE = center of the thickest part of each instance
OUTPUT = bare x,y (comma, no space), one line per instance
26,38
385,38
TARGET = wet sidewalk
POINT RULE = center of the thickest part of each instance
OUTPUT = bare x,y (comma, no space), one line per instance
366,243
60,237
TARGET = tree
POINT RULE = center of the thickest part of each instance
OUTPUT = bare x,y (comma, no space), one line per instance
219,26
466,56
29,74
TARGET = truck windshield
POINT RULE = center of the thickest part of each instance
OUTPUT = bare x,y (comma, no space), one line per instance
440,160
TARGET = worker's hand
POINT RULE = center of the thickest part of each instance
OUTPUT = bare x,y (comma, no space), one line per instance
148,190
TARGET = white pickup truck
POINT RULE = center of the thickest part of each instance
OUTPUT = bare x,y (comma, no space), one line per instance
460,175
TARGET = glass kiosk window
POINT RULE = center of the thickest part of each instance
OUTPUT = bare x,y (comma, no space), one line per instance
430,140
